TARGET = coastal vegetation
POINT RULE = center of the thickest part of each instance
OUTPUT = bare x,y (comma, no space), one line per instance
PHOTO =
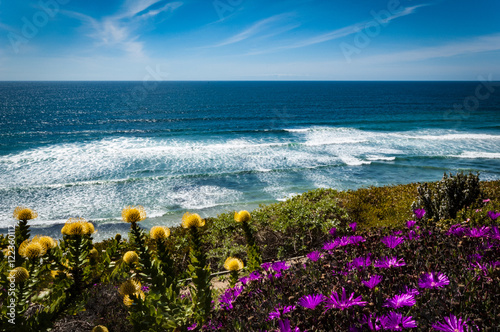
421,256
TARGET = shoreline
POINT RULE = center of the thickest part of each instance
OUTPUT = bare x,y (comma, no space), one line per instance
108,230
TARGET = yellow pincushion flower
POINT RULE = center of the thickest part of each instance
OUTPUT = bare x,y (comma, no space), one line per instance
130,257
128,301
93,253
130,286
20,274
89,228
24,213
100,328
47,242
77,226
159,232
190,220
133,214
31,249
233,264
242,216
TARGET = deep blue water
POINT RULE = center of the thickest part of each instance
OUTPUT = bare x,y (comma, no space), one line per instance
87,149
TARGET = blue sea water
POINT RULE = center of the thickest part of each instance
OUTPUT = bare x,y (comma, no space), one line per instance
88,149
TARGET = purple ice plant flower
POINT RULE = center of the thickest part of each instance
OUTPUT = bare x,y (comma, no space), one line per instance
399,301
410,223
229,296
478,232
392,241
343,241
395,321
456,230
284,326
314,255
265,266
486,200
355,239
334,301
412,235
451,324
330,245
255,275
353,226
493,215
279,266
279,310
374,323
359,262
433,280
410,291
495,233
474,258
388,262
374,281
244,280
311,301
397,232
332,231
192,327
419,213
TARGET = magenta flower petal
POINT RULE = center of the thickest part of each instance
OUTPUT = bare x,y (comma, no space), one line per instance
493,215
410,223
451,324
433,280
419,213
342,302
374,281
314,255
392,241
388,262
311,301
395,321
399,301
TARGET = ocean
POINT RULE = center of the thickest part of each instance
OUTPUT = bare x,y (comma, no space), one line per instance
88,149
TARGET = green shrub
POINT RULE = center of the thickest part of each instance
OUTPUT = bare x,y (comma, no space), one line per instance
386,206
448,196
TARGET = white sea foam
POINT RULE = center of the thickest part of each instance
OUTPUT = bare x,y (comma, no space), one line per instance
352,161
477,155
385,158
96,179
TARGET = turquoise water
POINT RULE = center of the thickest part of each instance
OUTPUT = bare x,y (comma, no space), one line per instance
88,149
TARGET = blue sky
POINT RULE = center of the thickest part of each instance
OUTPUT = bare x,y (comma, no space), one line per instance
249,40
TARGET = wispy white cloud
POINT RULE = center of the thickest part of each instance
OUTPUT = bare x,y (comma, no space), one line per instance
257,28
479,44
338,33
120,31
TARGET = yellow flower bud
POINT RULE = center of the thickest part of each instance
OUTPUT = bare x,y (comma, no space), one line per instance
133,214
159,232
24,213
190,220
233,264
130,286
130,257
100,328
242,216
20,274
